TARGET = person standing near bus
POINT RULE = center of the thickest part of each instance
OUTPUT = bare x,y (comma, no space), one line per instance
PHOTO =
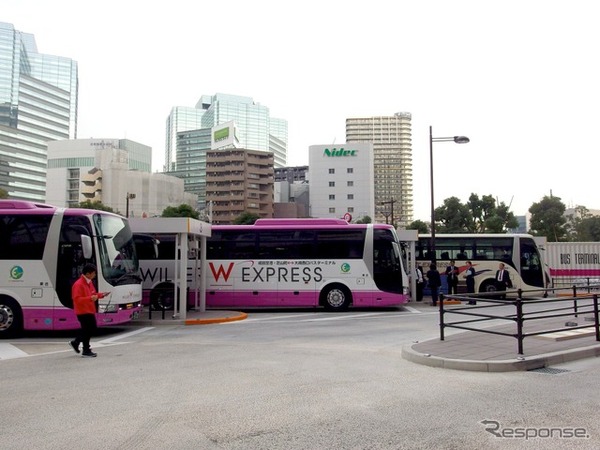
502,279
434,281
452,278
470,280
420,282
84,297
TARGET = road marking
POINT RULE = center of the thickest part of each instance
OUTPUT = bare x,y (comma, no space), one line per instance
9,351
262,319
353,316
124,335
411,309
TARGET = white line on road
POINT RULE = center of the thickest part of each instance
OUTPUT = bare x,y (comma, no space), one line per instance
9,351
124,335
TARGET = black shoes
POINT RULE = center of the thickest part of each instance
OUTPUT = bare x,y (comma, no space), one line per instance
75,346
88,354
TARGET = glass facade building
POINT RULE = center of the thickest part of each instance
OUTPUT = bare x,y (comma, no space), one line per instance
38,103
188,136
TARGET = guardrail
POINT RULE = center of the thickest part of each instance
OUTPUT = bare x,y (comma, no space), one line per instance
523,311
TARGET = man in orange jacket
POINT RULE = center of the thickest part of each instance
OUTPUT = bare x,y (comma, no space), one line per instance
84,297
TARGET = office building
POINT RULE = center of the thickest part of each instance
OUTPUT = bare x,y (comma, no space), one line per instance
391,137
191,132
70,159
341,181
115,172
239,181
38,104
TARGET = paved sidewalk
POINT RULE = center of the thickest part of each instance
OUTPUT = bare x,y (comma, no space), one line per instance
192,317
478,351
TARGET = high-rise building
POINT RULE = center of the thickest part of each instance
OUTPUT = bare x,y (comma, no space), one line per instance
38,104
392,162
191,133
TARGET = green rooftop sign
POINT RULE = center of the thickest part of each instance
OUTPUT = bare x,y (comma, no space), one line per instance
339,152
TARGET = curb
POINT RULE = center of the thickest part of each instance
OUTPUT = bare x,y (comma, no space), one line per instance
524,363
241,316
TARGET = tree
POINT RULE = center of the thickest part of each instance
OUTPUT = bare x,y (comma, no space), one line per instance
3,193
582,226
96,204
487,217
547,219
588,230
246,218
420,226
183,210
364,219
453,216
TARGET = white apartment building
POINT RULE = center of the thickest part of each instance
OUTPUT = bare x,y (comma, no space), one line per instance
100,169
341,181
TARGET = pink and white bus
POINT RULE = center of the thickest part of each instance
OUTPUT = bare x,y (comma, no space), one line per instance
42,251
286,263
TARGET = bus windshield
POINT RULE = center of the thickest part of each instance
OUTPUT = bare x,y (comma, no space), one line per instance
119,263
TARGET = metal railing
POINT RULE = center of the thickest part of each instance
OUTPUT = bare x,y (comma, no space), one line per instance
523,310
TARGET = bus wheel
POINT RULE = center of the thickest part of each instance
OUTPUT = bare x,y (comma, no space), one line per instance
11,318
488,286
336,297
162,298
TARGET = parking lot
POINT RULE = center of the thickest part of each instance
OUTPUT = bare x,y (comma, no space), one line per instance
282,379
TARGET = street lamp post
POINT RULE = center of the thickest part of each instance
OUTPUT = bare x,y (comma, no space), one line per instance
129,197
457,140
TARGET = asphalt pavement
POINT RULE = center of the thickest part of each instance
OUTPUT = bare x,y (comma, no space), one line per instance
485,351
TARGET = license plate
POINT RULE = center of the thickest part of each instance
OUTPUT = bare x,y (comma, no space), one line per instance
136,315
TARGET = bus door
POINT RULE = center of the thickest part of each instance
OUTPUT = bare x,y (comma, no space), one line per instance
532,271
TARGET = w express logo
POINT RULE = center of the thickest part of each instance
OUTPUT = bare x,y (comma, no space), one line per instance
221,271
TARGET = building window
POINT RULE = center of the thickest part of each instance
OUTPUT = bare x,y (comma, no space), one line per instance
332,184
350,183
351,210
331,197
332,210
331,170
350,196
349,170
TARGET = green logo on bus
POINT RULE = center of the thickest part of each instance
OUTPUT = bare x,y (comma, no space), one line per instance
345,268
16,272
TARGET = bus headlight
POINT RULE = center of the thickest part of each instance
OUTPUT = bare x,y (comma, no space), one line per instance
108,308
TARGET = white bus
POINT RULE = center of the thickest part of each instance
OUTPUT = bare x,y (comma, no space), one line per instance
42,251
286,263
519,253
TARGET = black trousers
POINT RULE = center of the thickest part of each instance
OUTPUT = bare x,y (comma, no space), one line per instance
88,329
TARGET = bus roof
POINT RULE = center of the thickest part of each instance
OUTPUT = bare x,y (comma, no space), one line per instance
308,222
475,235
266,224
23,204
27,207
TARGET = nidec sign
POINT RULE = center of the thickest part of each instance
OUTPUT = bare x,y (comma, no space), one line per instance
339,152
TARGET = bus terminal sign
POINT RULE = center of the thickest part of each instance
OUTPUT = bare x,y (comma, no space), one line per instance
339,152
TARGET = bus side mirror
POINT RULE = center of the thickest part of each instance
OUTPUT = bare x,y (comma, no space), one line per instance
86,246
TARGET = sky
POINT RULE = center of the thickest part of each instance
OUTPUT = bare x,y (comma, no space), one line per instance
519,78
